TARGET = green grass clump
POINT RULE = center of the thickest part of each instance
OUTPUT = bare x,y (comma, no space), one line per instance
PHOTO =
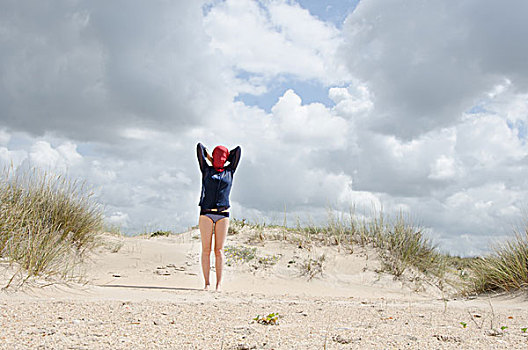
47,222
505,269
160,233
239,255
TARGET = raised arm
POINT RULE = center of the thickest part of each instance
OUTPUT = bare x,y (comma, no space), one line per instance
201,153
234,158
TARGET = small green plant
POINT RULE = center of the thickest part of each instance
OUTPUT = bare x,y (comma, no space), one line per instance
268,260
160,233
503,327
524,329
238,254
464,324
270,319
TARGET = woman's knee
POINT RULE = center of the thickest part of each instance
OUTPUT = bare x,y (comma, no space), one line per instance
206,251
219,251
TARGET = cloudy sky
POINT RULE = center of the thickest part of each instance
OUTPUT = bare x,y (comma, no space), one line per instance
415,106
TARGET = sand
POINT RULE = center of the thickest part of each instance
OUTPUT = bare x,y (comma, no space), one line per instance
145,293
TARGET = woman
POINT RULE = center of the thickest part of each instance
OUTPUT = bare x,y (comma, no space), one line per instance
214,204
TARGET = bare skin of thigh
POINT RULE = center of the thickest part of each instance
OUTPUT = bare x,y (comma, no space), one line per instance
206,226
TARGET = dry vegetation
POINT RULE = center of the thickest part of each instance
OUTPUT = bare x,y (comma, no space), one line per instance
405,250
47,222
401,245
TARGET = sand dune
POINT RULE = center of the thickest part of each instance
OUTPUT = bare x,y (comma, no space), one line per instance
146,293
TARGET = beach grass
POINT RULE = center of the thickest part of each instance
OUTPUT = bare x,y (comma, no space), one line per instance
47,222
505,269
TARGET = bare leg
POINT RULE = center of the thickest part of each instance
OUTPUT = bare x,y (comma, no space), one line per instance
206,231
220,237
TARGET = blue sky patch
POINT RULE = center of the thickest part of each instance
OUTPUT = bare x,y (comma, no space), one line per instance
309,91
334,11
521,127
477,109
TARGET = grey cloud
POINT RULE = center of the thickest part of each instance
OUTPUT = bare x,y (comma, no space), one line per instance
426,62
86,70
498,32
377,168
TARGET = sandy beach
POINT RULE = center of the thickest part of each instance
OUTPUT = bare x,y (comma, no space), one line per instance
145,293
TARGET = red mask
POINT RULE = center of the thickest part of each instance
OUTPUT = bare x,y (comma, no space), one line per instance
220,155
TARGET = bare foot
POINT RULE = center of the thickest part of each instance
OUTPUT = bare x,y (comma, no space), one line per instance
218,288
206,287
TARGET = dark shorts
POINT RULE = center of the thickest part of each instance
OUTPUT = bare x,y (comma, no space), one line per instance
216,217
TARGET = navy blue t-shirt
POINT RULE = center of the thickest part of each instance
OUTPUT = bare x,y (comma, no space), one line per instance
216,185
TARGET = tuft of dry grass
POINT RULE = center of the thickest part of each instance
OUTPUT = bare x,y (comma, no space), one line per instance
311,267
403,245
47,222
505,269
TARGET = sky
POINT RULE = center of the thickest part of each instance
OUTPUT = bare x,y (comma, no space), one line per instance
412,106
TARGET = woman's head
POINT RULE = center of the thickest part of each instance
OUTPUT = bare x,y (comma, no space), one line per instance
220,155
